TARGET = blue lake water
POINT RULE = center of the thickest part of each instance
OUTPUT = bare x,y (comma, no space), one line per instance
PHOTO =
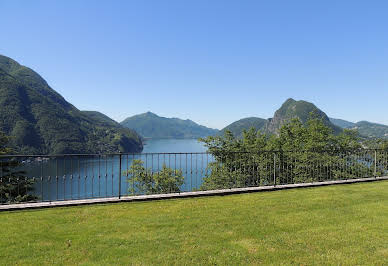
83,177
173,145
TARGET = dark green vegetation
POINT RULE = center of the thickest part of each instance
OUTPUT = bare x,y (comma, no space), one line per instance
14,186
39,120
149,125
289,110
145,181
101,119
365,128
336,225
302,152
238,127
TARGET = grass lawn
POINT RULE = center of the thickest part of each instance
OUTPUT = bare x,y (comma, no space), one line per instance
343,224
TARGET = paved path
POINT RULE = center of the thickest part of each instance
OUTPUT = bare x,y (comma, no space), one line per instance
180,195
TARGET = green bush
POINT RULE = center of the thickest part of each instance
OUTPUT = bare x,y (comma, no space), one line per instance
143,181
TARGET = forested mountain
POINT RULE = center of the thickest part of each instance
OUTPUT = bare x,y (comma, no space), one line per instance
290,109
40,120
101,119
298,109
364,128
150,125
302,110
238,127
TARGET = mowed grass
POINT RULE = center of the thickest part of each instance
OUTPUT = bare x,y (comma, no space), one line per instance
343,224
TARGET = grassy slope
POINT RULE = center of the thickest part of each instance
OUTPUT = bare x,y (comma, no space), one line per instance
346,224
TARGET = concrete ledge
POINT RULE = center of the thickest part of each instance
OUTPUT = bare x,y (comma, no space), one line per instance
219,192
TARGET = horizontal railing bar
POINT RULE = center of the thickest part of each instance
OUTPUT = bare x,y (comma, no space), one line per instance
177,153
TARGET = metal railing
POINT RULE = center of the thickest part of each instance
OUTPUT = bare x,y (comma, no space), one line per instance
69,177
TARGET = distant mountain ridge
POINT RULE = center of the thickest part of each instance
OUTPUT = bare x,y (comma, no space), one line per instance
342,123
290,109
150,125
40,120
364,128
246,123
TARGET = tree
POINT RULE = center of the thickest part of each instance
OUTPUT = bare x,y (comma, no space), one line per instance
299,153
14,185
144,181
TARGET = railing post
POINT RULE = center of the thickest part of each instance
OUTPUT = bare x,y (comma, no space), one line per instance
375,172
120,155
274,169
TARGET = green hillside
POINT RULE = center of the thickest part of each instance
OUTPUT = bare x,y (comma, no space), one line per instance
40,120
372,130
101,119
364,128
150,125
238,127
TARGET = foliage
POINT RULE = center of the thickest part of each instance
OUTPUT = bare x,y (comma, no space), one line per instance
149,125
40,120
144,181
299,153
4,149
14,185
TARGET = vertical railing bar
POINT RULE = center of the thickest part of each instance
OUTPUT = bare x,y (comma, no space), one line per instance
99,175
202,169
191,182
79,178
92,163
207,163
196,171
56,176
112,175
133,177
106,175
71,177
64,177
86,177
181,172
126,176
41,179
274,169
119,177
375,170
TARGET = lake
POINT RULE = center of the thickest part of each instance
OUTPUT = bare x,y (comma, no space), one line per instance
173,145
80,177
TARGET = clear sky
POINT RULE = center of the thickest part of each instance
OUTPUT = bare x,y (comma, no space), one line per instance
211,61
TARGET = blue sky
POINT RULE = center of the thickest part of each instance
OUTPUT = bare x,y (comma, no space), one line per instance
211,61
